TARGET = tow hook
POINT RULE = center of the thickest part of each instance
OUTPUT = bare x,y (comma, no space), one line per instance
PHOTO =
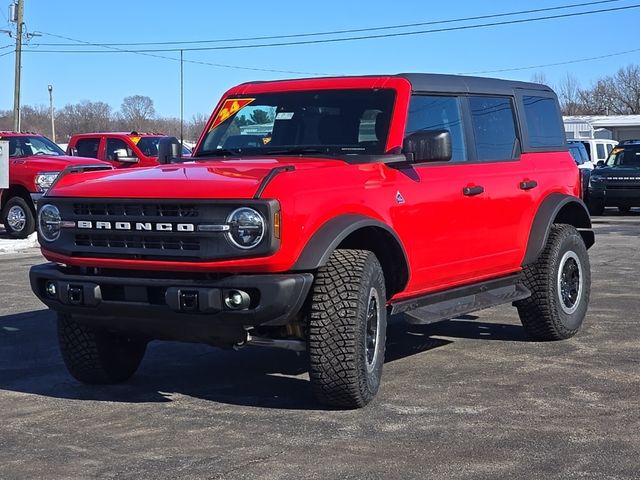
285,344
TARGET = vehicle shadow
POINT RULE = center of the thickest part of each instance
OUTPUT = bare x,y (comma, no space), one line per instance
30,363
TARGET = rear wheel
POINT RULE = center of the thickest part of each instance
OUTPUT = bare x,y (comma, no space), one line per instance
560,284
96,356
347,329
18,218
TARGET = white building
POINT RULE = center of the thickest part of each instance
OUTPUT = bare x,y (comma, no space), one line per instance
615,127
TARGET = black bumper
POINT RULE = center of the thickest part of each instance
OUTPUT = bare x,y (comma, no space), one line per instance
172,308
616,197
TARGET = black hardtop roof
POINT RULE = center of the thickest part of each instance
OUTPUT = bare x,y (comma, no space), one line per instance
433,82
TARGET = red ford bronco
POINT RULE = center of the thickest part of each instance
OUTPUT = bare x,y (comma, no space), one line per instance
310,212
34,163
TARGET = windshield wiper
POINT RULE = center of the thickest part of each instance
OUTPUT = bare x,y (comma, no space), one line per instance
297,151
218,152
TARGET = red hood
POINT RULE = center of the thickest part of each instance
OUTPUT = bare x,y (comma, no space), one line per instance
235,178
56,163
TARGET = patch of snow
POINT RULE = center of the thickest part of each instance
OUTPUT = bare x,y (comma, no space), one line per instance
15,245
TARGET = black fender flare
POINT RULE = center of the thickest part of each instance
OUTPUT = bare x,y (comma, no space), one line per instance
326,239
547,213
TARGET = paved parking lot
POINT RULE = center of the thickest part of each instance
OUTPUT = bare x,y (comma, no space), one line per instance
468,398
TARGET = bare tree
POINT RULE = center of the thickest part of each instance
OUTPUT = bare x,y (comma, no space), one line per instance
137,111
539,77
569,95
195,126
84,117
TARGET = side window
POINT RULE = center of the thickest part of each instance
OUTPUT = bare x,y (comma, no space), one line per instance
88,147
543,122
600,151
114,144
428,112
493,127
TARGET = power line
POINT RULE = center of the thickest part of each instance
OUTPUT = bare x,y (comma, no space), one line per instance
357,30
568,62
197,62
344,39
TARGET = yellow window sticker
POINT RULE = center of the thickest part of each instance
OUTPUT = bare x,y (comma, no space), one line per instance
229,108
135,140
616,151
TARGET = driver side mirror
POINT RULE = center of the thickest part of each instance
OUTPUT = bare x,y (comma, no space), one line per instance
169,150
428,146
121,155
600,163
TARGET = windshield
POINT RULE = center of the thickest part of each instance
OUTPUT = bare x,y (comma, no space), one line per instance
149,146
28,145
319,121
627,156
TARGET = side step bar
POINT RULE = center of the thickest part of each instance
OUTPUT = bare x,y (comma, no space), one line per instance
458,301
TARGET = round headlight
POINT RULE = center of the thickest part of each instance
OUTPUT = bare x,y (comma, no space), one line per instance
49,222
246,227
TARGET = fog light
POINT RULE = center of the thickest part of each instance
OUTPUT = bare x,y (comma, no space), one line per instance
51,288
237,300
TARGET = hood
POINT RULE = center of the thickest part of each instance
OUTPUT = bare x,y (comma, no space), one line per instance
224,179
60,162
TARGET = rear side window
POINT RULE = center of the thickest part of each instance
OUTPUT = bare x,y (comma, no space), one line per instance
600,151
88,147
494,128
543,122
438,113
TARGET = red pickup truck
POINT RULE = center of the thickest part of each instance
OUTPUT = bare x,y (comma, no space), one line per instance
121,149
34,163
310,212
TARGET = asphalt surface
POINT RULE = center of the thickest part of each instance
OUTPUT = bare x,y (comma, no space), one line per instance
467,398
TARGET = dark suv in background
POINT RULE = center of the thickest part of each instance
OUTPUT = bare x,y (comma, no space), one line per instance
616,182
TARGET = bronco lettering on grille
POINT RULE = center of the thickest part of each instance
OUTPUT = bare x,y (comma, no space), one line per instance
137,226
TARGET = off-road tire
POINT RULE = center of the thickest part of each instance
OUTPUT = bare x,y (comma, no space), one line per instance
95,356
29,217
596,207
544,314
342,372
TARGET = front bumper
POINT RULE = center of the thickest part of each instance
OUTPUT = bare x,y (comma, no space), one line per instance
183,309
616,197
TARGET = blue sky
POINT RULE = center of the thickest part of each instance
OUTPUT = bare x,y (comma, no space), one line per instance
111,77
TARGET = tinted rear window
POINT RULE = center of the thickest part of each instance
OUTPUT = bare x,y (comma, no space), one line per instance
493,128
543,122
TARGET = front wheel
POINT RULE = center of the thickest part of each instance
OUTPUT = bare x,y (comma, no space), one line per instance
97,356
347,329
18,218
560,284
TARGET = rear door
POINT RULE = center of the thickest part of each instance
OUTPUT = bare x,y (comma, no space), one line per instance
509,182
89,147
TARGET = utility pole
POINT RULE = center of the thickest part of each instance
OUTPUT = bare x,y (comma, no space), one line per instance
53,122
16,92
181,99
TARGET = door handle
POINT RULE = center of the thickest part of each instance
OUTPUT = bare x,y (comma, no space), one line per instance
471,191
528,184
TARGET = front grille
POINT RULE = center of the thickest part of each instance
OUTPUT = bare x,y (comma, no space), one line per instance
157,229
136,209
181,243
